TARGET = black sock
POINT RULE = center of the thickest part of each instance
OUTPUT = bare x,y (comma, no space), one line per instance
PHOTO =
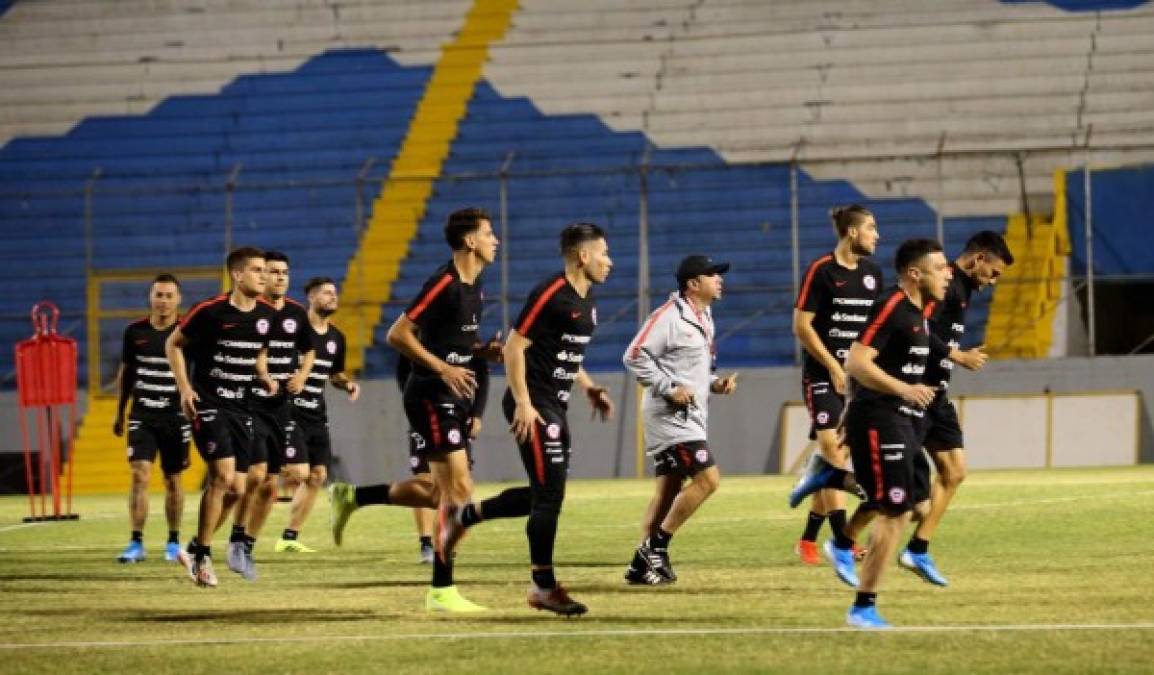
918,545
512,503
237,534
193,545
174,536
442,571
544,578
865,599
426,541
372,494
202,552
289,534
249,544
138,536
469,515
837,524
659,540
812,526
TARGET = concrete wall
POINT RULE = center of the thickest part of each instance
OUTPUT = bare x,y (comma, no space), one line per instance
369,436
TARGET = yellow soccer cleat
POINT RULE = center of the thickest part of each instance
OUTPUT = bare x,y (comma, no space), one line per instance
449,599
292,546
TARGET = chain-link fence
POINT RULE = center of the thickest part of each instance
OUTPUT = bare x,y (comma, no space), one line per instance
769,219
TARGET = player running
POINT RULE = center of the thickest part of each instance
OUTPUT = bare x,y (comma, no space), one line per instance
290,359
438,333
981,263
218,352
887,363
155,424
674,358
543,357
835,298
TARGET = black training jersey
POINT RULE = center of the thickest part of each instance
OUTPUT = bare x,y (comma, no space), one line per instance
840,299
288,341
448,314
145,364
328,360
900,334
560,323
948,322
223,345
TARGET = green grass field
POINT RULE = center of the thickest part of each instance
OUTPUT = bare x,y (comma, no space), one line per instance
1051,572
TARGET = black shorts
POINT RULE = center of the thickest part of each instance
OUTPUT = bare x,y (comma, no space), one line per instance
823,403
545,454
940,428
887,458
418,463
309,441
683,459
439,420
221,433
167,435
270,429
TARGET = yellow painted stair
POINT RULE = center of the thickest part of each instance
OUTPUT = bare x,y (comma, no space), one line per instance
399,208
102,458
1021,323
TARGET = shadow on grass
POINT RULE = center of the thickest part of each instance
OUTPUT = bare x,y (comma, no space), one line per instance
284,616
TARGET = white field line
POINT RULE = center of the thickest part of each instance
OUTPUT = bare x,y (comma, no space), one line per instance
536,635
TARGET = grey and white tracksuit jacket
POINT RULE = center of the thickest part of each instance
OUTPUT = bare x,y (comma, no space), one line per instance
674,348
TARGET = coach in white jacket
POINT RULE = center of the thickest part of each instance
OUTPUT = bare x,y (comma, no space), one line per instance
673,357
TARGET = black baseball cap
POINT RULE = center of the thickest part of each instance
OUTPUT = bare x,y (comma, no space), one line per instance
696,265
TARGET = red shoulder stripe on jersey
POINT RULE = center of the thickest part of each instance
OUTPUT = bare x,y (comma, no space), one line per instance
527,324
430,297
928,310
201,305
804,294
635,348
288,299
868,336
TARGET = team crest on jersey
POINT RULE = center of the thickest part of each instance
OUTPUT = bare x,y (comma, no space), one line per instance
290,452
290,326
822,417
702,456
897,495
262,326
869,282
414,461
130,451
454,436
331,346
210,447
553,431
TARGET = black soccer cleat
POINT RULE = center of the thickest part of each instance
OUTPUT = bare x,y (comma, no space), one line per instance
645,577
657,560
555,600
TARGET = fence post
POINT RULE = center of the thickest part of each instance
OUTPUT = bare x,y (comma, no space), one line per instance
795,242
503,178
362,226
93,291
642,298
1088,217
229,190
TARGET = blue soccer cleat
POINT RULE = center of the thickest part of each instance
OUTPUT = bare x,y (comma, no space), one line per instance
867,618
842,561
133,553
922,565
172,551
809,484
